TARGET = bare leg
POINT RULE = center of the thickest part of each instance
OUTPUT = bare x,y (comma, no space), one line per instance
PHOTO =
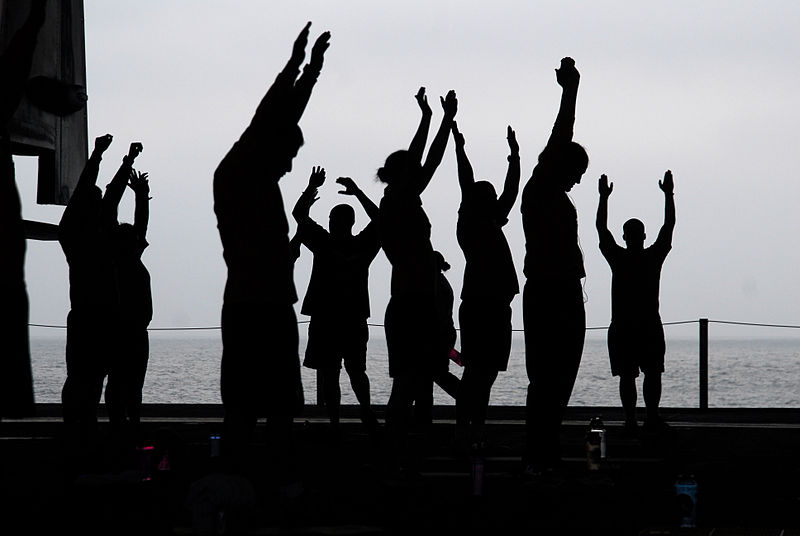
628,397
652,395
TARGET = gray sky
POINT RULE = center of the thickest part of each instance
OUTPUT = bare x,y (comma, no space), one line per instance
707,89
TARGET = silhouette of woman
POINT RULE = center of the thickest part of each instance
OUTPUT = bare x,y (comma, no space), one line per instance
405,232
553,312
490,283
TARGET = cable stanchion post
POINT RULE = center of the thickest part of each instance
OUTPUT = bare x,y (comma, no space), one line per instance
703,364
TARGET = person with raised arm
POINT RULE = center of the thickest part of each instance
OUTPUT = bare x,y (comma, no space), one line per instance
636,335
490,284
16,377
126,373
553,305
337,299
405,235
85,234
260,368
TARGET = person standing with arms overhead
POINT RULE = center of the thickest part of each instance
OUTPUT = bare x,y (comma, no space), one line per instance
553,310
405,236
260,370
636,335
490,284
337,299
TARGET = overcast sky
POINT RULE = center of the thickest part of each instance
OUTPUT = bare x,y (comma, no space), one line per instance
706,89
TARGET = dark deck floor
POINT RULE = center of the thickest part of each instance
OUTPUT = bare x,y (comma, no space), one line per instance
746,463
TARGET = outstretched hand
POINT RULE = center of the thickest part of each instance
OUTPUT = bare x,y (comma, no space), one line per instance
604,187
449,104
422,101
458,137
317,177
299,48
512,140
350,186
318,50
138,183
667,186
567,75
101,143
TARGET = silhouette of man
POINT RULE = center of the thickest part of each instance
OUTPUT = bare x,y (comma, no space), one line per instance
16,379
636,335
128,368
553,313
405,236
490,283
337,299
260,370
85,234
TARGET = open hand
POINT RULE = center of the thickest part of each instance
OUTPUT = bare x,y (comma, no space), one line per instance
604,187
422,101
139,183
318,50
667,186
299,49
350,187
450,104
511,136
317,177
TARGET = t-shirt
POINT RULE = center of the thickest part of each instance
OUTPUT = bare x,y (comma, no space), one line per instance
635,279
340,273
489,270
405,236
550,223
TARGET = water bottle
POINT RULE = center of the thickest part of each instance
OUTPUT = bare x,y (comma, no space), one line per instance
686,495
595,444
216,446
477,475
596,425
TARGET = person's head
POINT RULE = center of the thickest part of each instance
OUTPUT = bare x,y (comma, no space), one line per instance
633,234
284,148
484,197
341,220
441,264
398,166
567,163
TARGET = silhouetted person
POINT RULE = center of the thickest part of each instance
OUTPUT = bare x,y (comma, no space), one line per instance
405,236
85,233
553,313
337,299
490,283
636,334
445,342
260,371
16,379
128,366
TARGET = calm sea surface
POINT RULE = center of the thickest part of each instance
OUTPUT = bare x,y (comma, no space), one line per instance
184,368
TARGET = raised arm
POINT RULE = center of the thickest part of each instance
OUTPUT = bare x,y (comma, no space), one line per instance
466,176
417,146
351,188
439,144
604,188
116,187
91,169
309,196
568,78
305,84
511,187
668,187
141,215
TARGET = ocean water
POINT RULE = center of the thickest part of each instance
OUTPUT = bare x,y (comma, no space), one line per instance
184,368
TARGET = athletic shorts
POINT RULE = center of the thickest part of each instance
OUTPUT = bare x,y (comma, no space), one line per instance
485,333
412,327
332,340
636,346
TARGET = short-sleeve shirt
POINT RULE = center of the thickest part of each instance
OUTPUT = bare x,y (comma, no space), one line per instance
550,223
635,279
405,236
340,273
489,270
